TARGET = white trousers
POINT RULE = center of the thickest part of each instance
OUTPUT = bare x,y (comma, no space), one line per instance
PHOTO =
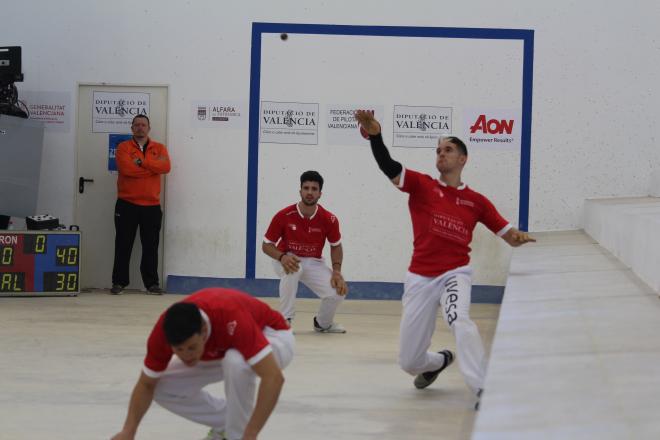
314,274
180,388
422,296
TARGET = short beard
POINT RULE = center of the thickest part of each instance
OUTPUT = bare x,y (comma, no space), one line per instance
305,202
441,169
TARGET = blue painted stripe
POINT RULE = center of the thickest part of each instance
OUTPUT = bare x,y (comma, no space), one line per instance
253,155
526,132
358,289
392,31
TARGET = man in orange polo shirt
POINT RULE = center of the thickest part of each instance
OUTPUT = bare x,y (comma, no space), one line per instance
140,161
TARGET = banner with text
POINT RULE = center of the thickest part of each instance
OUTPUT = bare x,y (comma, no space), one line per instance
219,114
420,126
289,123
51,108
112,112
492,129
341,126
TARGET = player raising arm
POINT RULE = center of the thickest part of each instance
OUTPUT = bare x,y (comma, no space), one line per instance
444,213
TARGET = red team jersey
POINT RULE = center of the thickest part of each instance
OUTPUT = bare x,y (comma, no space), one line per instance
235,320
304,237
443,218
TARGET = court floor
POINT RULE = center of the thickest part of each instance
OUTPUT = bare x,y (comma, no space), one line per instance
69,364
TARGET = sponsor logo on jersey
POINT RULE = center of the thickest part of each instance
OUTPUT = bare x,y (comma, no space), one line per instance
464,202
303,249
231,327
450,227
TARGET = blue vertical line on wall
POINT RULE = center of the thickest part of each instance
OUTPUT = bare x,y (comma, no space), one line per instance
253,154
527,36
526,131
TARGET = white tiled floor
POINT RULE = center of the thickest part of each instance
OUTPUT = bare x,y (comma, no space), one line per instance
576,285
576,354
68,366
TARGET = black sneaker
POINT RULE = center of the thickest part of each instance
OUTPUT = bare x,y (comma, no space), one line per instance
425,379
476,405
155,290
117,289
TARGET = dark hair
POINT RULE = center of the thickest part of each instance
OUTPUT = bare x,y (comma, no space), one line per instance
311,176
141,116
459,143
182,320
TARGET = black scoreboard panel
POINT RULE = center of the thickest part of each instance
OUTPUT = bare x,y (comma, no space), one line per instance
34,263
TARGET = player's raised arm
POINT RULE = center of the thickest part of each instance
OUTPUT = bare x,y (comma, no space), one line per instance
389,166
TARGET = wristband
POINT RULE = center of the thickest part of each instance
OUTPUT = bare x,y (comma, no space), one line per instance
281,256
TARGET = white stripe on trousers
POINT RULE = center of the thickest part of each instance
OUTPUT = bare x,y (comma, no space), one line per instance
451,292
314,274
180,388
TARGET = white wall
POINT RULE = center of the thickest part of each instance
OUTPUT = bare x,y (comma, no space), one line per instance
381,72
594,118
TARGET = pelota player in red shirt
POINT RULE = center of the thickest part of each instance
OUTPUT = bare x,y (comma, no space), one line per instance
211,336
444,213
295,240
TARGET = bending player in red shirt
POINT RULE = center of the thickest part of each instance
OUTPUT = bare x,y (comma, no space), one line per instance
295,240
444,213
216,335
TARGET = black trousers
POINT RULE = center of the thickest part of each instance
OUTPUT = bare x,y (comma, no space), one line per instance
128,217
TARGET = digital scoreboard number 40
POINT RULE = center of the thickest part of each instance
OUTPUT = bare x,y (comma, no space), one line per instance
39,263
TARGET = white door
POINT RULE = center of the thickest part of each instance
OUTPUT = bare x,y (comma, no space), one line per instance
103,111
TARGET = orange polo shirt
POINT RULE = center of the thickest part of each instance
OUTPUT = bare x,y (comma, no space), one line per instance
140,184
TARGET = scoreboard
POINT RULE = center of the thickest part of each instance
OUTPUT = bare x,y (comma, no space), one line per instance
39,263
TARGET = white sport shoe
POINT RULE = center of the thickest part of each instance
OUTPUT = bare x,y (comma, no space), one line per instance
215,434
332,328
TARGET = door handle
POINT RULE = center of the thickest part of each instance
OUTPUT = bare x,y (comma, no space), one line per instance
81,184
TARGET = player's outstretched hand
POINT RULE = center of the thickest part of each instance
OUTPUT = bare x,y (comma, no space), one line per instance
337,282
521,237
368,122
122,436
290,263
517,238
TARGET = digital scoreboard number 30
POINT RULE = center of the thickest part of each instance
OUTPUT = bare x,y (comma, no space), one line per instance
35,263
